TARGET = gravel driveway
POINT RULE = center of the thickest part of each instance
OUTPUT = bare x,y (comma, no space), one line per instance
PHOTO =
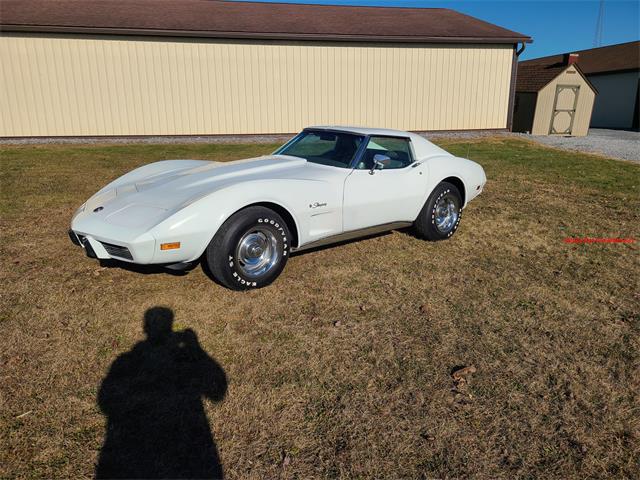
612,143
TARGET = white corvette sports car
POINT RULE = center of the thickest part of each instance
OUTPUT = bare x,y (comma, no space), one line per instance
245,217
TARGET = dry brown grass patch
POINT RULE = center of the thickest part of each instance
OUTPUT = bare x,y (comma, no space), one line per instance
343,367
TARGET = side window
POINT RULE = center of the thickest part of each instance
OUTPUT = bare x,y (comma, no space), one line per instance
396,150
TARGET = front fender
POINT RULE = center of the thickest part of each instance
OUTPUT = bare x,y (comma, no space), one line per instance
195,224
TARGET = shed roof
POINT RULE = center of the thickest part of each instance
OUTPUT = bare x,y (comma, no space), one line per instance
533,78
613,58
222,19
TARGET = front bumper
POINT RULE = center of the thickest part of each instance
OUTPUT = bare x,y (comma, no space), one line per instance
95,248
136,242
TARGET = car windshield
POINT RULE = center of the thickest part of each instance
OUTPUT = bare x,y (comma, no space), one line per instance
326,148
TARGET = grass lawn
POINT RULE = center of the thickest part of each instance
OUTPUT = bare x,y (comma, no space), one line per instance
342,368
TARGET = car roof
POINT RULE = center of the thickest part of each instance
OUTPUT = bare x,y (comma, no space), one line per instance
423,148
362,130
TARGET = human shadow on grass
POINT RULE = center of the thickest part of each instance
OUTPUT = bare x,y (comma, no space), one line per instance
153,400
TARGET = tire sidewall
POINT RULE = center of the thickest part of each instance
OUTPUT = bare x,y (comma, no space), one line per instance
226,250
440,191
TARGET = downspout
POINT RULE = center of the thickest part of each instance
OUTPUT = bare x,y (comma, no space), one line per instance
514,78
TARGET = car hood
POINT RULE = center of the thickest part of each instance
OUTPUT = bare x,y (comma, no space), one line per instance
166,188
185,179
145,196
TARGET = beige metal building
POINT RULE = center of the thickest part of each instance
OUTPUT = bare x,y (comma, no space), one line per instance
156,67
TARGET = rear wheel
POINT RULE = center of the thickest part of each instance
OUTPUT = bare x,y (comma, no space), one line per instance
250,249
440,216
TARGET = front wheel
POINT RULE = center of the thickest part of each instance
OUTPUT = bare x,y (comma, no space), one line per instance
440,216
250,249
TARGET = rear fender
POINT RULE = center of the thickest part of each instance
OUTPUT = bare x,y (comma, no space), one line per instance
467,171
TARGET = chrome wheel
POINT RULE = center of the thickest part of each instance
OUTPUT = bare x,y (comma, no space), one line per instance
257,252
446,213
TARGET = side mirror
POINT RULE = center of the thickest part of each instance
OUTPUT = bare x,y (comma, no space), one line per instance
379,162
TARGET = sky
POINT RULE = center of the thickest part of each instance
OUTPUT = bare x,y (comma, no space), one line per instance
556,26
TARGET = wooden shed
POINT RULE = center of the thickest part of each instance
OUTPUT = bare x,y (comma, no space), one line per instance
553,100
615,72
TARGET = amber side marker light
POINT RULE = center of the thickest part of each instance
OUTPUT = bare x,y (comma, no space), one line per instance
169,246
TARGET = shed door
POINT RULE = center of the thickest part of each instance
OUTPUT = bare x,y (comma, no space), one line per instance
564,109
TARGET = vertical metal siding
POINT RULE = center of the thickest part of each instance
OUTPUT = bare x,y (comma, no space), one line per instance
547,95
100,85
